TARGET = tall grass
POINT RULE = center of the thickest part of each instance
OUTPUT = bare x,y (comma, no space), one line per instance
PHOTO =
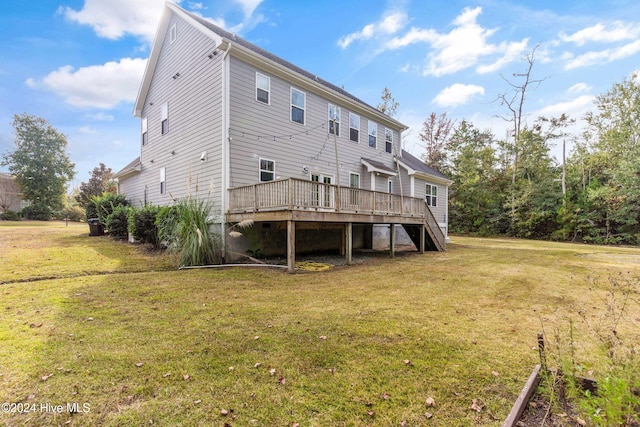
186,229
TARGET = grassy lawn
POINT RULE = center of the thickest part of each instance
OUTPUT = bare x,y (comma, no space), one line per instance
103,323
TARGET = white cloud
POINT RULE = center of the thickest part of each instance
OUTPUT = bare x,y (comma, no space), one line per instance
113,19
457,94
579,88
603,56
464,46
390,24
87,130
576,108
248,6
100,117
97,86
614,32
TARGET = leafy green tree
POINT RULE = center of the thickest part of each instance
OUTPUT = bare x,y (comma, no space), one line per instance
101,181
40,163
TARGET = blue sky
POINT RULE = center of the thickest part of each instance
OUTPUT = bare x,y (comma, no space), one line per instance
78,63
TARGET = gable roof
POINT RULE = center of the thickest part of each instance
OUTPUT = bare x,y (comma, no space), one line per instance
227,41
413,165
134,167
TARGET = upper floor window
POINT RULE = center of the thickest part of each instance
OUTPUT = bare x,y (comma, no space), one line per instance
388,140
163,180
373,132
263,88
431,195
165,118
143,130
334,117
298,101
267,170
354,127
173,33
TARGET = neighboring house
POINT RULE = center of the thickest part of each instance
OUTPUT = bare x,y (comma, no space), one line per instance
311,164
10,195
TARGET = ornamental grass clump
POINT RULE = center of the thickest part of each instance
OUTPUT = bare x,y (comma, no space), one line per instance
186,229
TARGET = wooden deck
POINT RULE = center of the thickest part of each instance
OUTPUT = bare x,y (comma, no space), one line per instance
293,200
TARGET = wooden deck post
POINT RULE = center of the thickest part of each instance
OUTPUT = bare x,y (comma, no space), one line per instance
392,240
348,236
291,246
422,238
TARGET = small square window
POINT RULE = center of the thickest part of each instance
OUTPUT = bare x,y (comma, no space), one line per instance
267,170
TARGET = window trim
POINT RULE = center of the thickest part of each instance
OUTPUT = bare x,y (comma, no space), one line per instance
268,90
356,117
164,118
390,186
260,170
432,199
144,130
330,119
388,142
163,180
374,135
303,108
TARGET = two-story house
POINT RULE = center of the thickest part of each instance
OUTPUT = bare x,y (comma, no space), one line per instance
311,164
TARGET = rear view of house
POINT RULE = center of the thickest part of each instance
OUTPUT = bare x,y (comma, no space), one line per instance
311,164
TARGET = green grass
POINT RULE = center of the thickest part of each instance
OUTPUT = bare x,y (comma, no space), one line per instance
337,340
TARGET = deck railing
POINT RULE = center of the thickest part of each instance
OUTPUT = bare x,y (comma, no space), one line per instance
298,194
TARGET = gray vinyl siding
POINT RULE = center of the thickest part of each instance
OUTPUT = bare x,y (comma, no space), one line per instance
133,189
195,118
438,211
266,131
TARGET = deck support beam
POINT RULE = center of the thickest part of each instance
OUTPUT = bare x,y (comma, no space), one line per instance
291,246
392,240
422,238
348,237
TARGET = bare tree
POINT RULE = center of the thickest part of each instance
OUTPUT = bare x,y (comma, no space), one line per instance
435,135
514,100
388,104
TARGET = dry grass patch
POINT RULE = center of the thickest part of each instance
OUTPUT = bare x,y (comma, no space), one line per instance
354,346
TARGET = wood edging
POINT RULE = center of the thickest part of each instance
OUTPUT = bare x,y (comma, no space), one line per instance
523,399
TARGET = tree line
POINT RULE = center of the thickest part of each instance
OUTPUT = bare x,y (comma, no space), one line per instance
514,186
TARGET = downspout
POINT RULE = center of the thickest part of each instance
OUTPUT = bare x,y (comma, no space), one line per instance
226,140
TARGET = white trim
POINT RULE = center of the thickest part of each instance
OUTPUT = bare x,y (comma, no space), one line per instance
412,186
372,168
226,139
163,180
359,181
390,132
330,119
390,186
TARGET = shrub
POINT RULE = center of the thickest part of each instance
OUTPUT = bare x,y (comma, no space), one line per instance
106,204
91,210
116,222
38,212
76,213
142,224
10,216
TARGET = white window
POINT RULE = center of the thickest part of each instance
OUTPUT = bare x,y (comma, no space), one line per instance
143,126
298,103
165,118
334,116
431,195
354,127
163,180
263,88
388,140
173,33
390,186
354,180
267,170
373,132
